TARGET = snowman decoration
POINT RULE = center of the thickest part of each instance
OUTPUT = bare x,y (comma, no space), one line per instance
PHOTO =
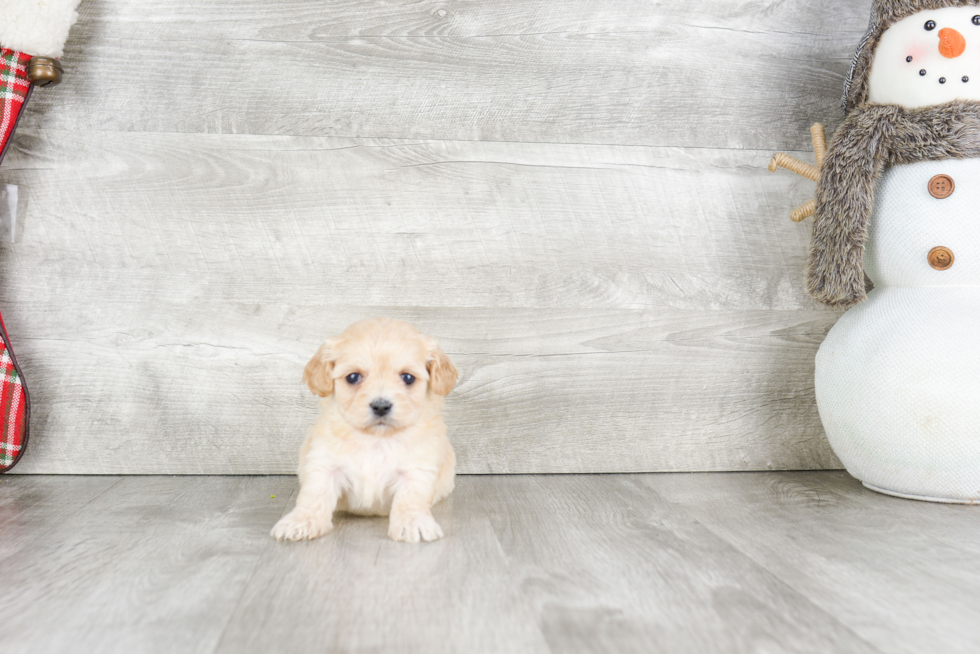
898,200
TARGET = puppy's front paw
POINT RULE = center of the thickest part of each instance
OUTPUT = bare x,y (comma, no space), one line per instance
415,527
300,525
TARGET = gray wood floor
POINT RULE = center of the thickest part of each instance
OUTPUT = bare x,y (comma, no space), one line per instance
764,562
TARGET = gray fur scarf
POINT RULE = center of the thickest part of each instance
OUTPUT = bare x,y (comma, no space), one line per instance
872,138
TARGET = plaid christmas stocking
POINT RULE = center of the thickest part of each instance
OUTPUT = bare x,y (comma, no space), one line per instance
15,406
15,89
32,38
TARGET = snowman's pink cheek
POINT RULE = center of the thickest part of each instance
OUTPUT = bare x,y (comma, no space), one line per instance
914,53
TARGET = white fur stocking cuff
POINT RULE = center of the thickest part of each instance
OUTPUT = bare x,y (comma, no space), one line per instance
36,27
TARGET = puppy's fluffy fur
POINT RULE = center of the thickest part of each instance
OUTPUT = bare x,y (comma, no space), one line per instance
364,456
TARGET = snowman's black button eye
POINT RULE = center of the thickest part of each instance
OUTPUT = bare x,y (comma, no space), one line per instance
976,20
942,80
923,72
908,59
930,25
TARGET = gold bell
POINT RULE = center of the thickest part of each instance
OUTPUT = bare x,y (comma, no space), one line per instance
43,71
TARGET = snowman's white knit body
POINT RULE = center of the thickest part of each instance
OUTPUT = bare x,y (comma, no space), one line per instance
898,378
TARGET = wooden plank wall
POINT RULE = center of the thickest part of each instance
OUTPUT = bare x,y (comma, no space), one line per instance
572,196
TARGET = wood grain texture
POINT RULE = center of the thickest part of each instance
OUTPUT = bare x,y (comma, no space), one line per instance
610,308
380,223
572,197
21,521
609,566
150,565
687,563
530,564
711,73
358,591
900,574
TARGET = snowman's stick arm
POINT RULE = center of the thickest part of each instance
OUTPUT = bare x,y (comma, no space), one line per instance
819,137
801,168
804,212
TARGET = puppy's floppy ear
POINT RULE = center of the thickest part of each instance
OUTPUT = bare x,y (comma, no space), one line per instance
442,372
318,374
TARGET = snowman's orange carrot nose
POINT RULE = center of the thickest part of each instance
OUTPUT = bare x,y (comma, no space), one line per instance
951,43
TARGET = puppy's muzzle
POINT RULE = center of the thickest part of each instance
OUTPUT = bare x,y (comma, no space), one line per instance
381,407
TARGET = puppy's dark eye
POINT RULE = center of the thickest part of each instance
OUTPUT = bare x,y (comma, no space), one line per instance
930,25
353,378
976,20
408,379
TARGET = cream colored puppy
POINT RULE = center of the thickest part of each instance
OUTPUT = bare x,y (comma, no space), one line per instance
379,446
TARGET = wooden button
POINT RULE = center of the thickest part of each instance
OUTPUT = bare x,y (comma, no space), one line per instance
941,187
941,258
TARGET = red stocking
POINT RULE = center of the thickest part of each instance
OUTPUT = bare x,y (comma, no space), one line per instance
15,88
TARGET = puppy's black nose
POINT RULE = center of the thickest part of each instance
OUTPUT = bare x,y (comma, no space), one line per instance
381,407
